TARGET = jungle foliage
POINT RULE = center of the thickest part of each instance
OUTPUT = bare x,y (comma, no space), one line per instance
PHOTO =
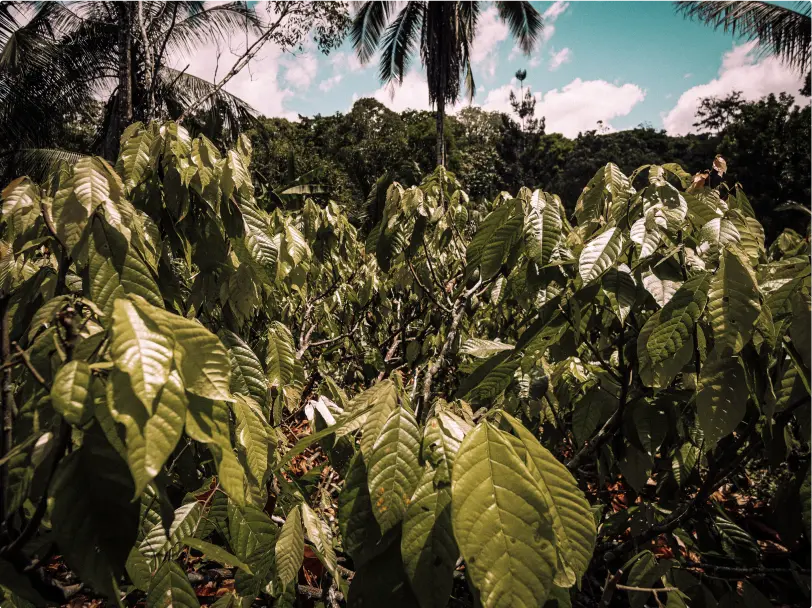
510,405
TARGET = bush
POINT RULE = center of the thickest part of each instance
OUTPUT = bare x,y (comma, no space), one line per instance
501,406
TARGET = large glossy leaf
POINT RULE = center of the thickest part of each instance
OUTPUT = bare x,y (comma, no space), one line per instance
252,538
151,435
135,158
141,349
207,421
394,468
428,547
169,588
290,547
94,520
280,358
380,399
158,543
71,393
661,289
200,357
247,374
91,185
721,399
360,531
599,254
573,523
501,522
318,533
252,436
678,318
661,374
733,304
646,232
621,291
542,228
215,553
21,200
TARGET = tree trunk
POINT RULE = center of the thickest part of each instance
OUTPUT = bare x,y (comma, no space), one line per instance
121,114
440,146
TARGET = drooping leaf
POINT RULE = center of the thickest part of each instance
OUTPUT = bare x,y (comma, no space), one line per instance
215,553
169,588
599,254
280,357
721,398
290,547
501,523
71,393
159,543
141,349
383,399
394,468
542,228
678,317
318,532
621,290
94,519
151,435
733,303
572,520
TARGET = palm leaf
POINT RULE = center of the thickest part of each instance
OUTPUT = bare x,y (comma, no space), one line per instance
780,31
367,28
524,21
398,42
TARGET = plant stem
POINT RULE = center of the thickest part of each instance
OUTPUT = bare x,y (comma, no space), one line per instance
7,407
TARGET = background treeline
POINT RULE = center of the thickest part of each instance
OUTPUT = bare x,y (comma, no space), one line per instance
354,156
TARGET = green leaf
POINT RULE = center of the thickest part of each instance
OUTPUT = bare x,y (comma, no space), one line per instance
115,268
542,228
71,393
207,421
394,467
806,498
138,570
141,349
135,159
678,319
318,533
621,291
252,436
721,399
428,546
662,374
151,435
21,204
290,547
482,349
381,399
170,588
646,232
258,247
215,553
91,184
360,532
381,583
94,521
280,358
661,289
497,248
158,543
247,374
599,254
733,305
200,357
501,522
253,537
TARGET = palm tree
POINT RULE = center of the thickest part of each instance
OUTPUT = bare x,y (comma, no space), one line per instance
781,31
56,58
444,32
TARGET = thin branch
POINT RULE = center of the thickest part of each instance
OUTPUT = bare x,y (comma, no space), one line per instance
243,60
426,289
647,589
27,361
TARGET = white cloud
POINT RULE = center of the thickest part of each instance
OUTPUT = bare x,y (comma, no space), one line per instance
413,94
555,11
740,71
300,69
258,84
576,107
559,58
491,31
347,62
688,75
329,83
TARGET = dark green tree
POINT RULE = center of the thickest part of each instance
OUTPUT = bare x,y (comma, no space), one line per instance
444,33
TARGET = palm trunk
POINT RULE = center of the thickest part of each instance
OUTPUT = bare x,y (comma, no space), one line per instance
122,113
440,146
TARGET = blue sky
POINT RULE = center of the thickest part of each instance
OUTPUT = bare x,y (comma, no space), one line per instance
624,63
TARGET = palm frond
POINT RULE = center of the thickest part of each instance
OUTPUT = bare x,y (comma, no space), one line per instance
780,31
212,24
524,21
398,42
37,163
368,26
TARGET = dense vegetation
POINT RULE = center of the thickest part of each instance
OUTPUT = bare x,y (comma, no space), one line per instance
508,403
